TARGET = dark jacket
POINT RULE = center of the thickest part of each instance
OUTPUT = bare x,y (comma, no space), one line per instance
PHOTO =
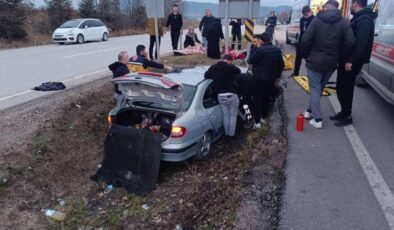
236,27
175,21
267,62
327,36
363,26
271,21
205,23
191,40
118,69
223,76
304,24
146,62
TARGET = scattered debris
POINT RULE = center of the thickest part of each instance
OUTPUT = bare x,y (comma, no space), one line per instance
145,206
55,215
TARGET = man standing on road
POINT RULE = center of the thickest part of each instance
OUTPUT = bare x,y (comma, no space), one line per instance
205,23
328,35
236,33
175,21
270,24
224,82
267,65
306,19
363,27
119,69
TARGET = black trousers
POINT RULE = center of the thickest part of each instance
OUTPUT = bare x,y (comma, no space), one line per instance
152,43
298,61
175,38
237,36
345,87
262,96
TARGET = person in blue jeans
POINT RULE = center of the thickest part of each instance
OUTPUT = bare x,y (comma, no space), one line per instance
329,36
223,75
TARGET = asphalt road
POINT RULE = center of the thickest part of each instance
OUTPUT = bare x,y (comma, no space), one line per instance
331,183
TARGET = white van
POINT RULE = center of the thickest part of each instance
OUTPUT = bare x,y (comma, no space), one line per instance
379,73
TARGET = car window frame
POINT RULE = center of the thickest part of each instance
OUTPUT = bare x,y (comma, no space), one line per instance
212,101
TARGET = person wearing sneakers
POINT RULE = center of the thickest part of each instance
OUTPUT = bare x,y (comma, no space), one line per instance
328,36
224,83
306,19
267,65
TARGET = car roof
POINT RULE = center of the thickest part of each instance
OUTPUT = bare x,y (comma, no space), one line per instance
192,76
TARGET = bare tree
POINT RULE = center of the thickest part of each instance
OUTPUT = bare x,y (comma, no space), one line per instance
12,18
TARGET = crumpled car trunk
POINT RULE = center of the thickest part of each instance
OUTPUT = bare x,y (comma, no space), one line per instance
132,159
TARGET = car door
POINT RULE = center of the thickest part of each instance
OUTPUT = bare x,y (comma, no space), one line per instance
381,67
212,108
97,30
88,30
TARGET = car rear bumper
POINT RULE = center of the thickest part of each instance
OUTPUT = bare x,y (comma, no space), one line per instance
180,153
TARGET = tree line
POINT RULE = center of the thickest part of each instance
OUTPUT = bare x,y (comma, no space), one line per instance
18,18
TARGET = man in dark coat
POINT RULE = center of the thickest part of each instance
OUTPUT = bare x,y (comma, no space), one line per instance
267,65
175,21
214,34
119,69
270,24
204,26
306,19
328,35
236,33
363,27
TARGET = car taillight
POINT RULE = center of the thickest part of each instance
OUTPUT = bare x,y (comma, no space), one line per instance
109,119
178,131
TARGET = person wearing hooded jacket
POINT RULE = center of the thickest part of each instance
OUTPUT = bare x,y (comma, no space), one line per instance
119,69
328,36
363,27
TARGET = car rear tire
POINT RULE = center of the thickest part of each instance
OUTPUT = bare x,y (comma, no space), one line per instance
205,147
80,39
105,37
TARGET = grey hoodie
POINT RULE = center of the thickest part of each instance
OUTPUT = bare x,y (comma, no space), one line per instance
328,37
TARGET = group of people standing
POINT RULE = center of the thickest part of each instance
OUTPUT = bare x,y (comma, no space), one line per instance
329,42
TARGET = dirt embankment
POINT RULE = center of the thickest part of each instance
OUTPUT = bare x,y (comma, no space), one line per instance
50,148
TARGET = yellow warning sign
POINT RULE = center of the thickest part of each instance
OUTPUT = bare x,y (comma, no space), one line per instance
249,29
303,82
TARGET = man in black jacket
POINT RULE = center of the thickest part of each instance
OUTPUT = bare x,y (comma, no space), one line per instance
236,33
328,35
140,57
214,34
363,27
205,23
267,65
270,24
223,75
175,21
306,19
119,69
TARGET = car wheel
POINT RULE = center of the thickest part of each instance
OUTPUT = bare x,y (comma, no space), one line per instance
80,39
105,37
205,146
360,81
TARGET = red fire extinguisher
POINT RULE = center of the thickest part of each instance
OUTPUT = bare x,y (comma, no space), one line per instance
300,123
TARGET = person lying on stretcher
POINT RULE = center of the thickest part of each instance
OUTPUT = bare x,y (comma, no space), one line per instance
140,63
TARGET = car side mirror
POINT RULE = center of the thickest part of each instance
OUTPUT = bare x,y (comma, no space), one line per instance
376,33
86,26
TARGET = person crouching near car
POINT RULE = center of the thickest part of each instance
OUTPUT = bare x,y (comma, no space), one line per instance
223,75
141,58
120,69
267,65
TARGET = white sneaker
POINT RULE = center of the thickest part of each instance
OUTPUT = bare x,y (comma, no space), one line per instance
307,115
263,121
257,126
317,125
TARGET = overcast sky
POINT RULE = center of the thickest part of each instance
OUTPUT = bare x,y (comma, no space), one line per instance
263,2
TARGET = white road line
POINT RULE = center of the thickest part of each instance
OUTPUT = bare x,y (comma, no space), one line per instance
16,95
95,52
379,187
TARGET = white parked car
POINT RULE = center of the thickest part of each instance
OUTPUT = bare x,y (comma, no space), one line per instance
80,31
